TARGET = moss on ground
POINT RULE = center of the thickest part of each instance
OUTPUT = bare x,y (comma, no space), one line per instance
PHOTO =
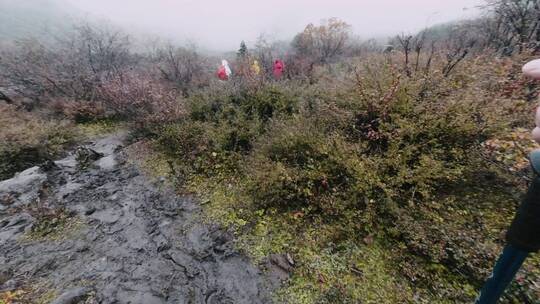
27,140
99,127
36,293
364,272
154,164
54,226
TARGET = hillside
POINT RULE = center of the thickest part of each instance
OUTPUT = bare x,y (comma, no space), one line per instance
324,170
39,18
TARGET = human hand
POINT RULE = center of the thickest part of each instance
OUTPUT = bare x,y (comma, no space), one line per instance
532,69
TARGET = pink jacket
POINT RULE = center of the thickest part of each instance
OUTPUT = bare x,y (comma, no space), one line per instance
279,67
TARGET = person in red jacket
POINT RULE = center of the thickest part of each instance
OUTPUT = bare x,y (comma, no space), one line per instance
224,71
221,74
279,67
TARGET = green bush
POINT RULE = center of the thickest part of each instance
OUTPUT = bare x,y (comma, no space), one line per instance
386,158
259,102
400,153
223,125
298,167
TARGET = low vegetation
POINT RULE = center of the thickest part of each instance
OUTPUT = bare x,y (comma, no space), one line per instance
368,170
28,139
52,225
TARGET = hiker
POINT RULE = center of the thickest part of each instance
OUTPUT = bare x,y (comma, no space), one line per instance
255,68
523,236
278,69
224,71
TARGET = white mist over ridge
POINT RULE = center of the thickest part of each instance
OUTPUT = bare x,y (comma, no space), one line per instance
221,25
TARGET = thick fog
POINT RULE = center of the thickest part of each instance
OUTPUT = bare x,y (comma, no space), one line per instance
221,25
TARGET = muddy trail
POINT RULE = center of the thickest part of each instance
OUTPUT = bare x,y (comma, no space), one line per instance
90,228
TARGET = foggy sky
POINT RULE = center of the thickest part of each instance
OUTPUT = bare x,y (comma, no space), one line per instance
221,25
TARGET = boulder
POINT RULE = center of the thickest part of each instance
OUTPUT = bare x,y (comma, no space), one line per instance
23,188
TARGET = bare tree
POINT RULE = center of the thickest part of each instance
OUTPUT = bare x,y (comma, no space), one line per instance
457,47
74,66
265,53
429,59
181,66
323,42
405,42
418,45
104,50
267,50
514,24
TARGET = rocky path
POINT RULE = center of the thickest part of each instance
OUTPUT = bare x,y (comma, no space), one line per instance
102,233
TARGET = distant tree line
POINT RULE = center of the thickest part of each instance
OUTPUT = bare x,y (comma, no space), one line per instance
77,65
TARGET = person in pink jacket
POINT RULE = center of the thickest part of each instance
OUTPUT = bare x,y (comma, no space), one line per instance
279,67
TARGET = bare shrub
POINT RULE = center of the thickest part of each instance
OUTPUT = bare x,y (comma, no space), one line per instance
183,67
456,48
514,25
405,42
141,98
73,66
265,52
78,111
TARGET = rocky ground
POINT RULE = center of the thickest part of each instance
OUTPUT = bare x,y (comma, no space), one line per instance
90,228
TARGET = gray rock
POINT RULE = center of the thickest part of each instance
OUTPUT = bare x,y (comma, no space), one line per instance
86,156
107,163
282,261
72,296
14,226
108,145
279,267
107,216
67,189
68,162
23,188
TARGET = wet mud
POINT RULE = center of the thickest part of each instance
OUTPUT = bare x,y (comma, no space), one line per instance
132,242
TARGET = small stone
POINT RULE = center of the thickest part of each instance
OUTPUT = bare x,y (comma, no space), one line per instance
368,240
48,165
281,261
5,275
89,211
290,259
107,163
85,156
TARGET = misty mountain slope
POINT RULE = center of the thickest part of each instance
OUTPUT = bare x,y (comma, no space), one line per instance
22,19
